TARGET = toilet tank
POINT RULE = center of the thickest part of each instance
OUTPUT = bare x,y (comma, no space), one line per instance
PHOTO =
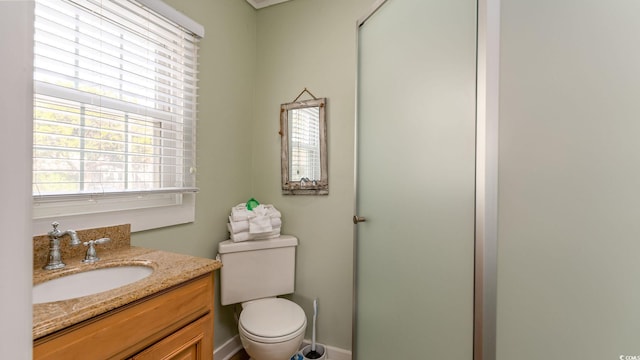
257,269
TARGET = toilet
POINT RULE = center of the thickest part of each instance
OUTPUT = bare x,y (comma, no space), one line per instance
253,274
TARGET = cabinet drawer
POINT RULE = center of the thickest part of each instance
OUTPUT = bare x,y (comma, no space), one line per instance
127,330
188,343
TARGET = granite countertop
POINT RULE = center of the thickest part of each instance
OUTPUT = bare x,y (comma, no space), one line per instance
170,269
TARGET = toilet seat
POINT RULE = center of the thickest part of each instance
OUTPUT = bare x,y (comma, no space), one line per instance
272,320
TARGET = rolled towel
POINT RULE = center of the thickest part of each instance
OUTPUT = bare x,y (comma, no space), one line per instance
240,226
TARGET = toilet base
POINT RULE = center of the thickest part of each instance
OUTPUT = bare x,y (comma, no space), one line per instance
277,351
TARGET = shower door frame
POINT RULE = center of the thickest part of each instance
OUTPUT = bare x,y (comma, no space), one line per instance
486,180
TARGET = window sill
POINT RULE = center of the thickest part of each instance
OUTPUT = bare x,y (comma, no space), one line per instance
140,219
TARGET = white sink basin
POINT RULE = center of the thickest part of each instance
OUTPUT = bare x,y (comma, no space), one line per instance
88,283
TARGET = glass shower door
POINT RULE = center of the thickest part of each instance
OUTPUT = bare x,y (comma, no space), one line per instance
415,181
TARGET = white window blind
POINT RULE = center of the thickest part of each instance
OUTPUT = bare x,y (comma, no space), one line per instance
304,152
115,104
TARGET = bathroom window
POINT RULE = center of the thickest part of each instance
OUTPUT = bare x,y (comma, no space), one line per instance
115,89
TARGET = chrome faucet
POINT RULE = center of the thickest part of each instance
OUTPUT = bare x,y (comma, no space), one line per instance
55,260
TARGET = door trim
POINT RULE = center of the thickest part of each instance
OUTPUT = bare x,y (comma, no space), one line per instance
486,237
486,182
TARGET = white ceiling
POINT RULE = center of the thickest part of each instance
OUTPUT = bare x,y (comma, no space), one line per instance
258,4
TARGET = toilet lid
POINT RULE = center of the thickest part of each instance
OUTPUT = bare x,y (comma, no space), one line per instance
270,318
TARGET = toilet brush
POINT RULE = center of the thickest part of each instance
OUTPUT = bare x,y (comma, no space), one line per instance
313,354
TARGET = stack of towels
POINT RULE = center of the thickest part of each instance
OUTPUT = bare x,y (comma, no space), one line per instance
262,222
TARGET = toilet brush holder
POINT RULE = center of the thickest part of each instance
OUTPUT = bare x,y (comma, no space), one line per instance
320,349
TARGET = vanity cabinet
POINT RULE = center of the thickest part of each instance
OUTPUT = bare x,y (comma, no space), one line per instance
176,323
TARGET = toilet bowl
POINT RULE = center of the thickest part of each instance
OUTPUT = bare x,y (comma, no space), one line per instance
271,329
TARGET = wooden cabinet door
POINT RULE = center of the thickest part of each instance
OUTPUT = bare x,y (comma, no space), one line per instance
192,342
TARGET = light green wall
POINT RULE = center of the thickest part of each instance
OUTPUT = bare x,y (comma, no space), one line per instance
246,73
311,43
569,229
227,78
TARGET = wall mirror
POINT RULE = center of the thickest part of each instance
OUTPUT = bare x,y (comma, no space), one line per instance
303,129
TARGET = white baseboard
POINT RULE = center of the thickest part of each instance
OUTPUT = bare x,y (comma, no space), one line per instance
233,345
228,349
333,353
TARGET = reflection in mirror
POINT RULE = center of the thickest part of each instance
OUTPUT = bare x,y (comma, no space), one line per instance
304,148
304,143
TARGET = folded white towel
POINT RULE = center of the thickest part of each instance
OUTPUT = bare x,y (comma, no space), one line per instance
240,226
259,220
241,213
276,229
259,224
246,236
272,211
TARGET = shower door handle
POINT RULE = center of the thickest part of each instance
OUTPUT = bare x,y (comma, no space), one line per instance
358,219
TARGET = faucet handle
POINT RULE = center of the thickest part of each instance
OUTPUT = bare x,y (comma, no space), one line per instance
98,241
91,255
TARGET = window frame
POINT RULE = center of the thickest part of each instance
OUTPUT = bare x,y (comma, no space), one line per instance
143,210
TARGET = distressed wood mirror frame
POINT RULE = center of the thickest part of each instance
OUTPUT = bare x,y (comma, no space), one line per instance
293,184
